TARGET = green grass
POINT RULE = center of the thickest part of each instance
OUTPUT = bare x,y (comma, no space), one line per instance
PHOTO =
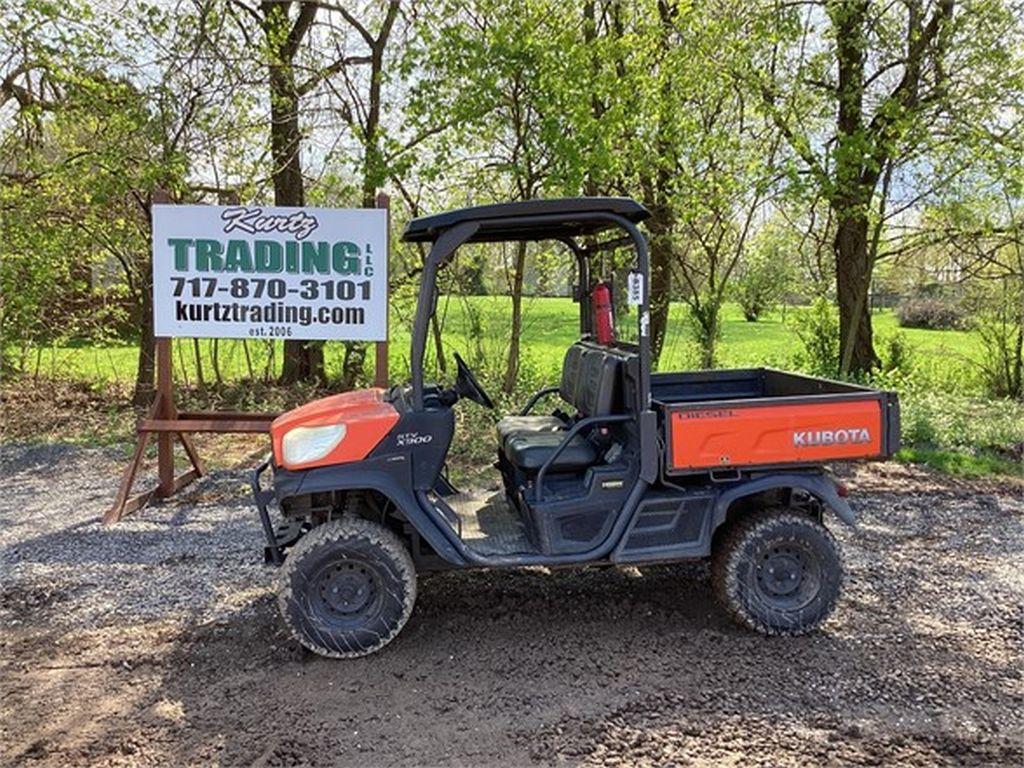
961,464
947,423
549,326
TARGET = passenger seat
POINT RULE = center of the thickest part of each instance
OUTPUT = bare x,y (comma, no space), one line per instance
529,451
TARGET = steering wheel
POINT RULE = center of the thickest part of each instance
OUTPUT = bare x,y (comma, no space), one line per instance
466,384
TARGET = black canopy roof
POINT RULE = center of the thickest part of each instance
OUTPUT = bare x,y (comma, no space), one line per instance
529,220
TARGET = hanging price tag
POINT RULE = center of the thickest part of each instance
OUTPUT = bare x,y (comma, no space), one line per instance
635,288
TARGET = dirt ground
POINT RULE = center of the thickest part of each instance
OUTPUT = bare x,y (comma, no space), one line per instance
157,642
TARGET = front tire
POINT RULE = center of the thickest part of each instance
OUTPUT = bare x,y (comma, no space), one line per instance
778,572
347,588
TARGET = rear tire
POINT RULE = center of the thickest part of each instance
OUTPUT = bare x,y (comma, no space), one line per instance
347,588
778,572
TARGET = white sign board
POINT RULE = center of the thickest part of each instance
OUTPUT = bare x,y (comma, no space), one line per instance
250,271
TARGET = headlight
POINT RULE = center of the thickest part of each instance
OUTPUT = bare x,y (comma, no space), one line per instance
304,444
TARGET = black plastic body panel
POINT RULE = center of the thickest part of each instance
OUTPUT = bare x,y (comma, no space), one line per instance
669,525
674,523
389,475
581,519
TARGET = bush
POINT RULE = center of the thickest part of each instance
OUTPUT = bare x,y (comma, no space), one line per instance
998,312
932,313
818,330
897,354
760,285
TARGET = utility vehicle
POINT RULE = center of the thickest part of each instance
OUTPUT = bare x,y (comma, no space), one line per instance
627,466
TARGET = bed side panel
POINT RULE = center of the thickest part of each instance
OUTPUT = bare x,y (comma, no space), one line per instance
740,435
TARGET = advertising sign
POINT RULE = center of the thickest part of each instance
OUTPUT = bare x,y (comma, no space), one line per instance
249,271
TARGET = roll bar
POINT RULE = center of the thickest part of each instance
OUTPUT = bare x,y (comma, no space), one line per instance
450,240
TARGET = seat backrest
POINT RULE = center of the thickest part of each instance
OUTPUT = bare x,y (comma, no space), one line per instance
572,368
592,378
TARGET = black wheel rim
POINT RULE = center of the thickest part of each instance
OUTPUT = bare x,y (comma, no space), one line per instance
346,594
787,575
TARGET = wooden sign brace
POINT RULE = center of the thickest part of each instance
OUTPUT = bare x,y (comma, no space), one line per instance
164,421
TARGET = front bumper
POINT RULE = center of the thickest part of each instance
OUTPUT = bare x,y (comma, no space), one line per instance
285,533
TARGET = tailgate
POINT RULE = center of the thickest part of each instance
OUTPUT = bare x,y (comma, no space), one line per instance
779,431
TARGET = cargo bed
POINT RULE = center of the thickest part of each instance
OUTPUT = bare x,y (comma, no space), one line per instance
767,418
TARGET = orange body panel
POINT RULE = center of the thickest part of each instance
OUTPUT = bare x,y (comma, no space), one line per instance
736,436
366,416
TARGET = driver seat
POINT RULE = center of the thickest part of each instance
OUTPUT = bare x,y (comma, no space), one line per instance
510,426
529,451
591,385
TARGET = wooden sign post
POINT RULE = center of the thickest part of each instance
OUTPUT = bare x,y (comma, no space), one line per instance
169,425
380,368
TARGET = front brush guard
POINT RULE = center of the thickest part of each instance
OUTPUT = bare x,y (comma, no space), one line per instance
285,534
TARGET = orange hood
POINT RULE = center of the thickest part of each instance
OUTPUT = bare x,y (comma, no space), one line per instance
367,419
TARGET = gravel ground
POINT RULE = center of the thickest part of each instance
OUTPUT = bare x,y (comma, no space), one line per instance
157,642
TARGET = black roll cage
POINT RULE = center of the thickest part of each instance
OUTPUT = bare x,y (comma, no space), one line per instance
518,228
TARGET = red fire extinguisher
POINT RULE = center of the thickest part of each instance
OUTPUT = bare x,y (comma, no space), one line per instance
604,320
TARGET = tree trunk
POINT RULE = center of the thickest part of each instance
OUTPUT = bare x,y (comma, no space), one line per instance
198,354
853,282
215,361
352,367
353,364
709,342
657,192
512,365
661,276
373,166
302,359
435,330
855,184
144,371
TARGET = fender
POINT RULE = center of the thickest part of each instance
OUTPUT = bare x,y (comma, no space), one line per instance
817,484
390,475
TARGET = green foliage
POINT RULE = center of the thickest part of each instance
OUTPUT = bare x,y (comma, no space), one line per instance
897,354
111,108
943,421
765,275
817,328
877,98
998,311
961,464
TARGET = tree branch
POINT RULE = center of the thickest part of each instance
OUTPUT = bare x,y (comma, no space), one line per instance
904,94
307,13
352,20
332,69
